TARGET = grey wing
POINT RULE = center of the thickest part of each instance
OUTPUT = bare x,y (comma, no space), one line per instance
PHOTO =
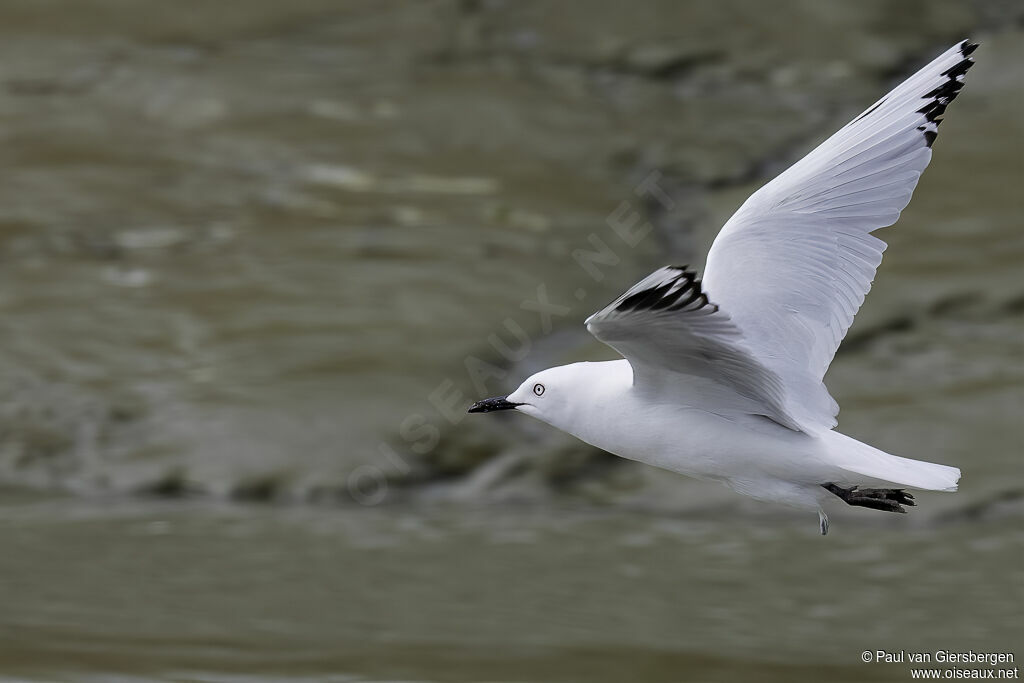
793,265
680,345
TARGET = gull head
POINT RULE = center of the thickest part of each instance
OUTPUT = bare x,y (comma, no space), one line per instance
554,395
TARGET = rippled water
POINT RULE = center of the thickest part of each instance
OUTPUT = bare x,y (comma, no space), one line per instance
165,592
246,254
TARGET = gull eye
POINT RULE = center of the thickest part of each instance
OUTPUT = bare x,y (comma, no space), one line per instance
538,389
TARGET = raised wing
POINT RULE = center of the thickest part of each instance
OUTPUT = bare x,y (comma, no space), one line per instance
665,326
793,265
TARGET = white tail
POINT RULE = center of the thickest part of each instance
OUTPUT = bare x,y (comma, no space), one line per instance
860,458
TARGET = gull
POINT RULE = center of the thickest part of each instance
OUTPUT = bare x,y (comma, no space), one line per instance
722,378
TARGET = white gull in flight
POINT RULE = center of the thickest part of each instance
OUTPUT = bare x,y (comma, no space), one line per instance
722,378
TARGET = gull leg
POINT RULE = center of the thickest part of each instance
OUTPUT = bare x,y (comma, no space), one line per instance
890,500
822,522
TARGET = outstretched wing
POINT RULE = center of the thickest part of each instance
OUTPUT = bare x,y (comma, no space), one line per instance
665,326
793,265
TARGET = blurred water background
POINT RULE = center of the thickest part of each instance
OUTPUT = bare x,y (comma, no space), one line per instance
254,258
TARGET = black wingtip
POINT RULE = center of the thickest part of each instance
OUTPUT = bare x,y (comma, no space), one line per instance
681,291
940,97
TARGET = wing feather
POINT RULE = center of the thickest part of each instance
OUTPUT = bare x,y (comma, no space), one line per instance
665,326
793,265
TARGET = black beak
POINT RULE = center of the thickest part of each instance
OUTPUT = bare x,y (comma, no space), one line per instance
489,405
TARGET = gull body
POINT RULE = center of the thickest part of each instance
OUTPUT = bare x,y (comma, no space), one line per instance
722,379
598,403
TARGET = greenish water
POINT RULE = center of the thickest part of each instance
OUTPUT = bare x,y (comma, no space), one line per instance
207,592
246,252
